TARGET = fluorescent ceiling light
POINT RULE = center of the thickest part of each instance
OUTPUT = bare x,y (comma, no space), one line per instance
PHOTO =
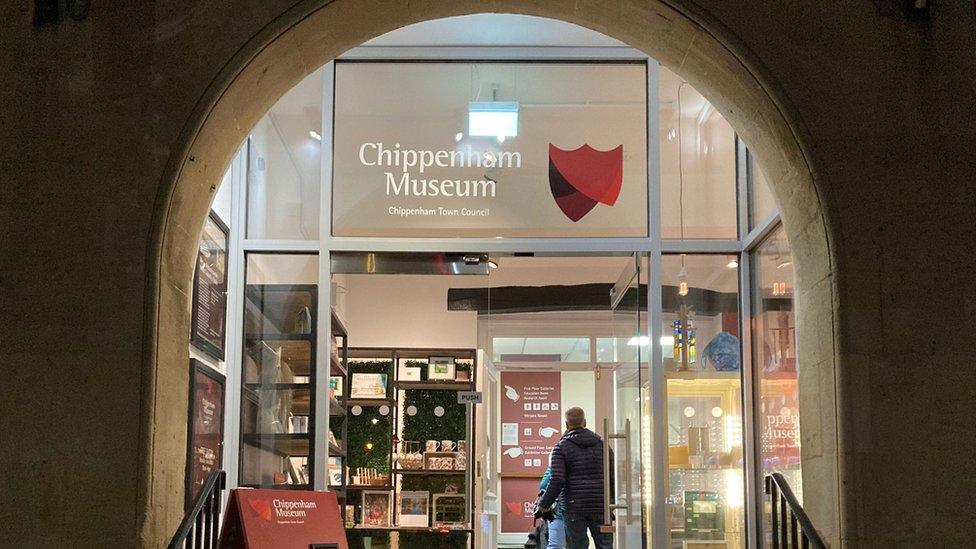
666,341
493,118
315,135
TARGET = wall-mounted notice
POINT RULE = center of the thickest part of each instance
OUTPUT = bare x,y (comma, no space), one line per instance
209,304
205,430
531,420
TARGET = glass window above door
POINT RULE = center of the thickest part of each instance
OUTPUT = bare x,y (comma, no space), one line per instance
492,149
285,166
698,188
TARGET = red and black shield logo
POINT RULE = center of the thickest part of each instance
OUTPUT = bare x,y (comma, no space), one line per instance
583,177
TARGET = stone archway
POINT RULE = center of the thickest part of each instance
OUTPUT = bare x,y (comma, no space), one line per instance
316,31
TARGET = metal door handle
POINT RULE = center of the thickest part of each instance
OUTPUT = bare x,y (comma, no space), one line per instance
608,507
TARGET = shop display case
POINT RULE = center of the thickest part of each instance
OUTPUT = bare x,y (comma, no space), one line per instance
701,355
411,439
277,404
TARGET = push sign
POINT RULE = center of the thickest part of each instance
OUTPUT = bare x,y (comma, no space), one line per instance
469,397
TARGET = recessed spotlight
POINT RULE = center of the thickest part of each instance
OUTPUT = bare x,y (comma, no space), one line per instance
492,264
459,136
315,135
734,263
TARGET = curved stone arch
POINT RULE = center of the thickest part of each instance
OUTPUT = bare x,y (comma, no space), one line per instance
314,32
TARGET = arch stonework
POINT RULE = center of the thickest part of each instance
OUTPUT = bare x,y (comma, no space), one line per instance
694,45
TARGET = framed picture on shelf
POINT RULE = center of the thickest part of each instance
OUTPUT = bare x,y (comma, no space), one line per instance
440,368
450,510
414,509
335,385
377,508
205,428
209,304
368,386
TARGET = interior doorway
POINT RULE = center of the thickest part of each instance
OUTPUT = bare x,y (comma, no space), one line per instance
541,333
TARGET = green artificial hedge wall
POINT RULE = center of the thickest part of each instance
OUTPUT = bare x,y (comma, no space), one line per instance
361,429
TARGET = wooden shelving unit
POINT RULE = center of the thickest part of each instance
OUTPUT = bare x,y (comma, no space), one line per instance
338,417
278,401
396,394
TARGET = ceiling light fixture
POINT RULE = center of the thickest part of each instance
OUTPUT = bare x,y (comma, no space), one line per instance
497,119
682,281
315,135
786,263
459,136
492,264
733,263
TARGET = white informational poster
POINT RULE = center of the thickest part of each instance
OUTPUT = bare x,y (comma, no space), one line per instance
514,149
510,434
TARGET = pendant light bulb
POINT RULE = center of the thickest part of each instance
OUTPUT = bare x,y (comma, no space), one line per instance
682,282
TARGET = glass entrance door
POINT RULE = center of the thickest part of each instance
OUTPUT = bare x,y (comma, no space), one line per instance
623,431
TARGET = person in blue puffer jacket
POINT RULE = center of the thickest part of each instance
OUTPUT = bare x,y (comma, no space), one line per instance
557,526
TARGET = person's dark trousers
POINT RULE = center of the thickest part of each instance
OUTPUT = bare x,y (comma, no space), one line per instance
577,525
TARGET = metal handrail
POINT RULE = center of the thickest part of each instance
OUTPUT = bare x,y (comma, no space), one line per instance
788,515
201,526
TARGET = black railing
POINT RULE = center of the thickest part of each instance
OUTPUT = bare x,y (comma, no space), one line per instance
201,526
791,525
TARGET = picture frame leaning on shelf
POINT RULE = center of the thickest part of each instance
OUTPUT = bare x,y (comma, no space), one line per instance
441,368
414,509
377,508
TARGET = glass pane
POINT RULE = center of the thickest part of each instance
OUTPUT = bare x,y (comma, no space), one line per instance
760,195
284,166
775,360
541,349
698,193
278,369
490,149
628,372
701,355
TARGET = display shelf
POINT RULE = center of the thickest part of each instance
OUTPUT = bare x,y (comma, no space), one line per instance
278,486
278,386
338,325
349,402
400,392
369,487
274,336
435,385
297,352
285,444
336,409
431,472
701,470
429,529
708,376
335,451
337,368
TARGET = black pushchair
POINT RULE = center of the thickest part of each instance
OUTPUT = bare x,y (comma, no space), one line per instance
539,536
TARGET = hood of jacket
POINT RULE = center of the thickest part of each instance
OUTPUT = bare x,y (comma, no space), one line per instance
582,437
